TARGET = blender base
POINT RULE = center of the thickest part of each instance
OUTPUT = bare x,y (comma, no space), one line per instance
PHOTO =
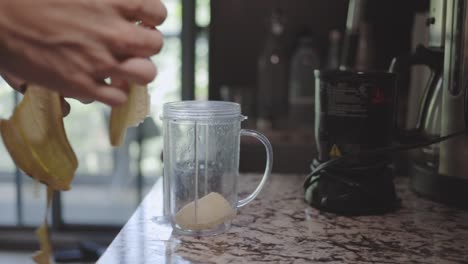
427,183
370,193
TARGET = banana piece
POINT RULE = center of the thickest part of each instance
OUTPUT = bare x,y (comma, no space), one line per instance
208,212
129,114
36,140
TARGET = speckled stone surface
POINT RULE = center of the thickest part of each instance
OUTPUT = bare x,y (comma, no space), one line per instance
278,227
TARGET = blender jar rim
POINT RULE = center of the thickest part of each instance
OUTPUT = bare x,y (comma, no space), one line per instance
201,110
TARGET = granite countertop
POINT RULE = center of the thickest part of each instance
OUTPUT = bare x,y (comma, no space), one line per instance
278,227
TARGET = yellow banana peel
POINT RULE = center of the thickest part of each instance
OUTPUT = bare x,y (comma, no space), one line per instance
36,140
44,255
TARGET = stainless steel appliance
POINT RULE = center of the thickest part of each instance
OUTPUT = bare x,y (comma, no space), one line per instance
441,172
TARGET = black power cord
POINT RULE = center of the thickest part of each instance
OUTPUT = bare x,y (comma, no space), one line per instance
349,185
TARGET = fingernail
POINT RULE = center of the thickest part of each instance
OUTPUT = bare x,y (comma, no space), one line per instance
86,101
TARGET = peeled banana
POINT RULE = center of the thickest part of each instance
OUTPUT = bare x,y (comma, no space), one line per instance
129,114
206,213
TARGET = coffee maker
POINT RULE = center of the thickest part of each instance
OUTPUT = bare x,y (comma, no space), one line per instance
440,172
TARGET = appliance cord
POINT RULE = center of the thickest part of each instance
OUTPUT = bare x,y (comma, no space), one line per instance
332,169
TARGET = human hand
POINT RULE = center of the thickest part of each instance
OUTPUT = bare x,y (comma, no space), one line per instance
72,46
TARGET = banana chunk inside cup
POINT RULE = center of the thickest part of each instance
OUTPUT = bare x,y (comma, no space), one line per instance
206,213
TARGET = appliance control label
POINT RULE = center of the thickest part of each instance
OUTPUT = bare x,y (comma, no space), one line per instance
347,101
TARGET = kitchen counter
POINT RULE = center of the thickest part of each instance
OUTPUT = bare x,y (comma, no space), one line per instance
278,227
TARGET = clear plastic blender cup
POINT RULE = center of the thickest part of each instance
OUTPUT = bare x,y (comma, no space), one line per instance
201,165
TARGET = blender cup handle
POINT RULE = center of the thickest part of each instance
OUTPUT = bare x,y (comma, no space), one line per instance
269,164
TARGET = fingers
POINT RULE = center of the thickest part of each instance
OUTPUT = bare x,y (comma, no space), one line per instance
110,95
65,107
86,89
150,12
121,84
127,40
106,94
85,100
135,70
133,40
138,70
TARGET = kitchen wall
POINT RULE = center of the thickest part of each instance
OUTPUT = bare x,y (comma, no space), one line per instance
237,34
238,29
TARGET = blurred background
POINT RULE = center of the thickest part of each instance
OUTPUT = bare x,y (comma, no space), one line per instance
217,50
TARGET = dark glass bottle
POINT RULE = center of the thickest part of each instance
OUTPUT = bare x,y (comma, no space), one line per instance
272,83
304,61
333,56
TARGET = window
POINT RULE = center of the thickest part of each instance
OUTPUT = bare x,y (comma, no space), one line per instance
202,20
7,168
109,182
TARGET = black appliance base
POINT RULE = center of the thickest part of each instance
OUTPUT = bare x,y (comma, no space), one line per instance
429,184
342,194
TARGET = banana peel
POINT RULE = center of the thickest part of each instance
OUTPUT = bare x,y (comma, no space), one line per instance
36,140
44,255
129,114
